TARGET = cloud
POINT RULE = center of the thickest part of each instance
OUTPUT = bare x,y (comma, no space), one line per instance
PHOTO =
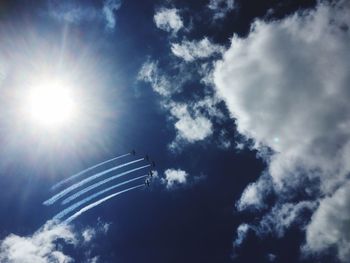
271,257
76,13
221,7
151,74
174,177
109,8
191,50
95,259
330,227
192,120
47,244
292,101
282,216
72,11
168,19
190,127
275,222
254,195
89,233
40,247
241,235
287,86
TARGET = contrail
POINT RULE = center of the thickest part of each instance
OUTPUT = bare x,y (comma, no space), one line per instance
86,180
90,206
93,186
74,206
85,171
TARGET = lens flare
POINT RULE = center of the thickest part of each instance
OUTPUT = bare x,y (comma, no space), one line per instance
51,104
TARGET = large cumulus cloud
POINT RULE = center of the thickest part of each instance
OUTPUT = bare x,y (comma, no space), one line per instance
330,226
48,244
41,247
287,84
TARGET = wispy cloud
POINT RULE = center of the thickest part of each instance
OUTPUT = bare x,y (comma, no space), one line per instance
109,9
192,120
160,83
89,233
192,50
275,222
241,235
168,19
77,13
72,11
220,8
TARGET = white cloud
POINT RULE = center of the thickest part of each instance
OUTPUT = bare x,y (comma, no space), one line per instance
151,73
46,244
40,247
276,221
192,120
168,19
282,216
254,194
330,225
109,8
190,127
241,235
221,7
88,234
287,86
191,50
174,177
292,101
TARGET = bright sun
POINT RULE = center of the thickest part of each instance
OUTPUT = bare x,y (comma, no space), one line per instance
51,104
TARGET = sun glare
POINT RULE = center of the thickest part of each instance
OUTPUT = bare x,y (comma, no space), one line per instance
51,104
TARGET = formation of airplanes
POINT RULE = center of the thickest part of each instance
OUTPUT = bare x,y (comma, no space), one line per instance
150,173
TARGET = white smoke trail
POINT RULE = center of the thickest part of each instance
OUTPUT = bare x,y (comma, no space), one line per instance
95,185
74,206
90,206
86,180
74,176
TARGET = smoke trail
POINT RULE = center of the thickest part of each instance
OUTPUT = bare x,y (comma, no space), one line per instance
71,208
90,206
85,171
86,180
93,186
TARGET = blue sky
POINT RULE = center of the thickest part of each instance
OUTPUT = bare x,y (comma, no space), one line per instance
243,105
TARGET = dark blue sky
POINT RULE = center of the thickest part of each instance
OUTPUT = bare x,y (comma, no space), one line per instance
192,222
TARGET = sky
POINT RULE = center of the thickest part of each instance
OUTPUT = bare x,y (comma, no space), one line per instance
241,104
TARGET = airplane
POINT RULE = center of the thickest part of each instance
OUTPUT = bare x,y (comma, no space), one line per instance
133,152
147,182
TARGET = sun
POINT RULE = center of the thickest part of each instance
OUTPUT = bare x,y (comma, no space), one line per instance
51,104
